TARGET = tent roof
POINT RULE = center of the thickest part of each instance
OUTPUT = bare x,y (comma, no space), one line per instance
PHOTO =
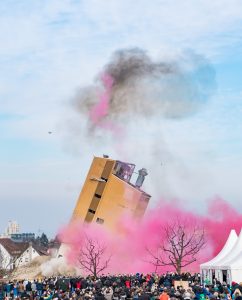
227,248
236,263
231,257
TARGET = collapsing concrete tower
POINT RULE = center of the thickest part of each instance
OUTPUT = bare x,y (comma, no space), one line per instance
107,193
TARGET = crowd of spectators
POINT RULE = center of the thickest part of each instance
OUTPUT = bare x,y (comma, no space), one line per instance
122,287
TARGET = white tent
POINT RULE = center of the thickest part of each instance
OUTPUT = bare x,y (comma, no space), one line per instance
232,263
234,268
210,269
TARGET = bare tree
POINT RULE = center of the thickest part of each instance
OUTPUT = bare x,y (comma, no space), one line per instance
179,246
92,256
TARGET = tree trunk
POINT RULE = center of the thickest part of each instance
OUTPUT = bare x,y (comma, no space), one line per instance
178,268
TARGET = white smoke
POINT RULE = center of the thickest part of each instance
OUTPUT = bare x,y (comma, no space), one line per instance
57,266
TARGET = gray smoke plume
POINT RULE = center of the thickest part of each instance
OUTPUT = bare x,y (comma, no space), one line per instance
146,96
145,88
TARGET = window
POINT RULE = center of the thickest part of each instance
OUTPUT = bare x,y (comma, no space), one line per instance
98,196
123,170
91,211
26,259
104,179
100,221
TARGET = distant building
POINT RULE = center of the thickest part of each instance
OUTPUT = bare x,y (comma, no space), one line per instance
13,227
107,193
22,237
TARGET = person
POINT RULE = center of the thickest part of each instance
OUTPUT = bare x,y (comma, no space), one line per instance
108,293
15,290
187,295
39,287
164,295
1,291
99,295
236,294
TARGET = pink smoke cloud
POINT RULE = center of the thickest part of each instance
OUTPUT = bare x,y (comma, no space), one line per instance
100,110
129,242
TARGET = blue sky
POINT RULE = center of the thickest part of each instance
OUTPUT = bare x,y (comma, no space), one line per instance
50,49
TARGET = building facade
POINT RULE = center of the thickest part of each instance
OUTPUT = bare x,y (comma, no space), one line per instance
108,194
13,228
27,256
23,237
16,254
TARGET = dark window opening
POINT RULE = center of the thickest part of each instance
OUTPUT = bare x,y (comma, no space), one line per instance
98,196
224,275
91,211
213,274
107,169
100,221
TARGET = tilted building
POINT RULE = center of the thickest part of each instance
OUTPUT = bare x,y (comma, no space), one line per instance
107,193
